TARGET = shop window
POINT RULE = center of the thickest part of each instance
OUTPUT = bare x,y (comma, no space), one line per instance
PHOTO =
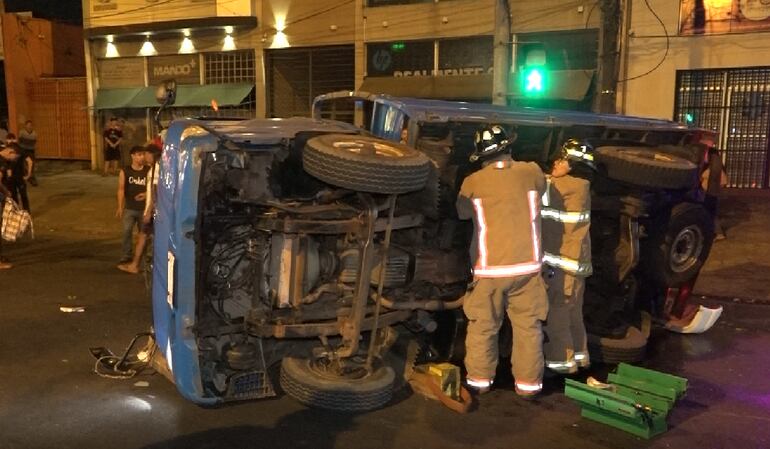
229,67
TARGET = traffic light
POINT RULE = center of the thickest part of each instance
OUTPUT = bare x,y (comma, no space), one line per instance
533,76
534,81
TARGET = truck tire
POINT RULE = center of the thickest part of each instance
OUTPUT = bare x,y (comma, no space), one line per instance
365,163
680,248
302,380
629,349
647,167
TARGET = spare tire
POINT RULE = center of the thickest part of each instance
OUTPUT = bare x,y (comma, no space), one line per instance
629,349
307,381
647,167
365,163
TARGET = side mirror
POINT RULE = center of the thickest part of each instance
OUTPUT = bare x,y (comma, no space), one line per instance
166,93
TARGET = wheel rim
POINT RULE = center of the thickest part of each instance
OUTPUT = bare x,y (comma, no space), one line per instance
686,249
324,369
363,147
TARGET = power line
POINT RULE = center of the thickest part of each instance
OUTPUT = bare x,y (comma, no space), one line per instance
665,54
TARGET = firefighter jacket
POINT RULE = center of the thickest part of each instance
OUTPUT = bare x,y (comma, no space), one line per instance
503,199
566,221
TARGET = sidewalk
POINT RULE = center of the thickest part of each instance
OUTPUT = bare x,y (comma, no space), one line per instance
739,266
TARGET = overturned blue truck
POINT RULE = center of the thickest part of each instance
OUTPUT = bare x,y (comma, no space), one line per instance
304,252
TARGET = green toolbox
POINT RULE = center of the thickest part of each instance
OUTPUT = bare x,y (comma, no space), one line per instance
635,399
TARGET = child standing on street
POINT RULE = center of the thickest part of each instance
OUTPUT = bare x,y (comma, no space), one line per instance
132,184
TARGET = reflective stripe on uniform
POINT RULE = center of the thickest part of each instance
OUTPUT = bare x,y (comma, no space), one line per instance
579,356
479,383
566,217
582,360
569,265
562,367
482,222
508,270
482,269
528,387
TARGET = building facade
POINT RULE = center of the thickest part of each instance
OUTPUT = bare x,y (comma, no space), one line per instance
270,58
711,61
44,77
705,60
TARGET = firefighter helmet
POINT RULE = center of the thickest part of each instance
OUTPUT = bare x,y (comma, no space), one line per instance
579,152
490,141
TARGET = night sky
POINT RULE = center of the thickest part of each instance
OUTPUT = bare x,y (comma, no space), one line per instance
61,10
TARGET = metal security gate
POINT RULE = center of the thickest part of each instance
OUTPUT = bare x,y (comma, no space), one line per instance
297,75
736,103
60,117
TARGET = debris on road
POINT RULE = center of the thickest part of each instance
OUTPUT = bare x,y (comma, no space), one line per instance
72,309
142,383
441,382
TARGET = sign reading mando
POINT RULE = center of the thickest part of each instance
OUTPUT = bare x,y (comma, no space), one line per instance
183,68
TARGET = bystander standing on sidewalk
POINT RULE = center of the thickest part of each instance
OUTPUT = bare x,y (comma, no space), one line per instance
152,156
113,137
21,172
7,158
132,185
28,143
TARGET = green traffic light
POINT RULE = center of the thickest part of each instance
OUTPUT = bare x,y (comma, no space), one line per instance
534,81
689,118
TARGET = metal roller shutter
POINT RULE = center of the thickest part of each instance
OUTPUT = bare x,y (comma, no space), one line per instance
297,75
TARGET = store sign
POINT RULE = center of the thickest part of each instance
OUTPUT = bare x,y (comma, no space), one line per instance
120,72
725,16
387,59
185,69
465,56
443,72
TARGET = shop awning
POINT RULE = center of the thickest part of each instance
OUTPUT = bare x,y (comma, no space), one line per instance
465,87
224,94
186,96
115,98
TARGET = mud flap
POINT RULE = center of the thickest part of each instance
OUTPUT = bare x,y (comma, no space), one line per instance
686,318
703,319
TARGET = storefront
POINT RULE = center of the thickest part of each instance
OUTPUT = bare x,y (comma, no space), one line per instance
449,69
294,76
209,84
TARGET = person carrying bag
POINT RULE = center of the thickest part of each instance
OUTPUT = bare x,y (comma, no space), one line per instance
15,221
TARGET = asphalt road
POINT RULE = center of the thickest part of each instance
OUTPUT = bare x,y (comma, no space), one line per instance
50,398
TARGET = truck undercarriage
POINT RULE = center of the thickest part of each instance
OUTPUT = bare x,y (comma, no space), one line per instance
309,247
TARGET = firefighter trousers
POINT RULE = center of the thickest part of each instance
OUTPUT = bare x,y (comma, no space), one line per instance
566,343
524,299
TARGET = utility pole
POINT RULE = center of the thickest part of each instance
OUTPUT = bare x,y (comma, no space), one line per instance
502,53
609,57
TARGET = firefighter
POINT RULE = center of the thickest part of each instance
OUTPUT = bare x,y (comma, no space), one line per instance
503,199
567,253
